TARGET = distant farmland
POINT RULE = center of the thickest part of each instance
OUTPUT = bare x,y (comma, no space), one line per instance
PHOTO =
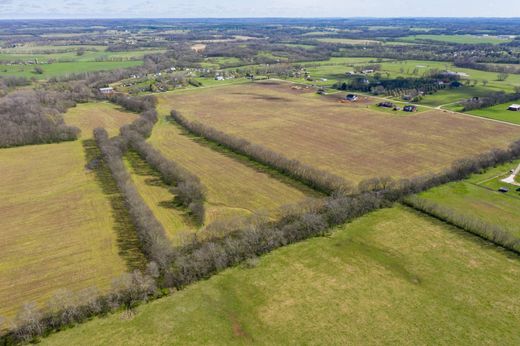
354,141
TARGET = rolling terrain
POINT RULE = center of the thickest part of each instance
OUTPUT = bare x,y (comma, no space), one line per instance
350,140
392,275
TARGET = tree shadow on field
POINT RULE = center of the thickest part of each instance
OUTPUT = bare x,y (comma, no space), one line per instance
128,243
153,178
258,167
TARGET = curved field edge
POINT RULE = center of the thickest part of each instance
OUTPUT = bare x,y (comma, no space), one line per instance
391,275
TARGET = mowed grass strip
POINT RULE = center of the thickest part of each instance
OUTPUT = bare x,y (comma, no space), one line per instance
159,198
393,276
353,141
88,116
235,186
57,227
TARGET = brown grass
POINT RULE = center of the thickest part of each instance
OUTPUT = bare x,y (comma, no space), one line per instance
352,140
235,187
56,225
88,116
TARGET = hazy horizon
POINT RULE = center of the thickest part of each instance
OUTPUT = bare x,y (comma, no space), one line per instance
143,9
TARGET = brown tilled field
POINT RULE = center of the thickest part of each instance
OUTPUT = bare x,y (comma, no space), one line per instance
352,140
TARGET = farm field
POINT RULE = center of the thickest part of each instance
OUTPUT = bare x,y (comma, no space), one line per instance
478,197
64,68
69,54
158,198
235,186
58,224
498,112
347,41
460,39
354,141
88,116
391,275
57,228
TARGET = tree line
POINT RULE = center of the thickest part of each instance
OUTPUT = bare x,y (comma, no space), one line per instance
189,191
317,179
152,237
491,232
187,188
66,308
489,100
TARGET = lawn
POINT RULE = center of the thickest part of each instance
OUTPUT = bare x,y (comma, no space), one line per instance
88,116
498,112
235,186
57,225
354,141
391,277
64,68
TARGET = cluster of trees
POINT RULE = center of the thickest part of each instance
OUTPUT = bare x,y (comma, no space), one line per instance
489,100
67,308
475,225
313,177
499,68
154,243
399,86
188,189
34,117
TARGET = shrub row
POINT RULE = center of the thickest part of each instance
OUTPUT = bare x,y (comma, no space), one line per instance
313,177
152,237
202,258
491,232
66,308
489,100
187,187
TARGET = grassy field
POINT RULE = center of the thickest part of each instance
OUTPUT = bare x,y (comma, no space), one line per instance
478,197
498,112
159,199
64,68
392,277
57,227
460,39
348,41
61,225
355,141
235,186
88,116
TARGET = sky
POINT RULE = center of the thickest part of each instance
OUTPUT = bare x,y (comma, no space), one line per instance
13,9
